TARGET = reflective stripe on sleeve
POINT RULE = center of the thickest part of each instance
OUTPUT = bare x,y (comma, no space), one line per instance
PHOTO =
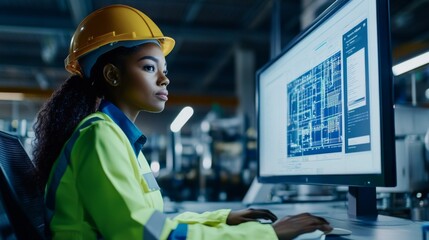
61,168
152,230
151,181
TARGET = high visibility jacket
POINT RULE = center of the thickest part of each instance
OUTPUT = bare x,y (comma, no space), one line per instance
100,186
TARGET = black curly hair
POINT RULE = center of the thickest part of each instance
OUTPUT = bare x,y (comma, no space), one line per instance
68,106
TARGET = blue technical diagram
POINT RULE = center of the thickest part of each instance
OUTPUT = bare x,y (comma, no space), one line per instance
314,115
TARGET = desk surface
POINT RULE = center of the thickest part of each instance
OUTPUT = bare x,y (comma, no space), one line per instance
335,212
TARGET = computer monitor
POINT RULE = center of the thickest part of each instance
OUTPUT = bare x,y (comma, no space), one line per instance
325,105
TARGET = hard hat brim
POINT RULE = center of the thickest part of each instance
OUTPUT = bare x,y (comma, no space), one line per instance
166,43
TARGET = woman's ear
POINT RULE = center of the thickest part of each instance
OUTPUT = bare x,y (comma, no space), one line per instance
111,74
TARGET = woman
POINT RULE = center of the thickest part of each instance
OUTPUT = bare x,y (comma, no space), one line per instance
88,150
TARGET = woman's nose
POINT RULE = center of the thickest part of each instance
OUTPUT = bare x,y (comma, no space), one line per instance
163,80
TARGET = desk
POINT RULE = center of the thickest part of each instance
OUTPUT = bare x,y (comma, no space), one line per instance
389,228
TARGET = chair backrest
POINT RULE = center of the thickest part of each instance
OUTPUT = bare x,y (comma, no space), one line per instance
20,194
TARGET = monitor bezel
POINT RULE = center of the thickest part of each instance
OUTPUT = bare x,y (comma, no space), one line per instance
387,177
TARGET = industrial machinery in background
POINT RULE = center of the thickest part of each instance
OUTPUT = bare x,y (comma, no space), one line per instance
410,197
214,161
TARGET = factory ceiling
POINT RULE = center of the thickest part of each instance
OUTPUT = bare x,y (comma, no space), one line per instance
35,36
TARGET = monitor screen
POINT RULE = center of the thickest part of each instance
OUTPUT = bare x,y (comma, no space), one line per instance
325,104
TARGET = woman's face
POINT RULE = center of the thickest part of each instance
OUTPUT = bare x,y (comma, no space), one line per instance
143,81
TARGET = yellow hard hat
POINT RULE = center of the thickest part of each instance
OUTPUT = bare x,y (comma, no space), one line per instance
111,27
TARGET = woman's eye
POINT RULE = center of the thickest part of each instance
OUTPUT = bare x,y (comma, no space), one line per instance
165,72
149,68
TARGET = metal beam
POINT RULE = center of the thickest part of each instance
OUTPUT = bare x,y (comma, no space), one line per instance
190,17
79,9
276,29
49,22
52,25
29,62
222,59
257,14
211,34
309,11
194,100
218,63
193,11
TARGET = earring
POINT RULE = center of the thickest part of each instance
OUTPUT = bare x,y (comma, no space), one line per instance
114,82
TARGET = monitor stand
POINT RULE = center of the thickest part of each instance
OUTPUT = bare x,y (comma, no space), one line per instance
362,208
362,202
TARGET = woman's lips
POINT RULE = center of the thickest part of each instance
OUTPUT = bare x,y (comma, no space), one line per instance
163,95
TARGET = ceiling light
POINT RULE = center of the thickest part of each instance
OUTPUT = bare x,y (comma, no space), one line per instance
11,96
181,119
411,64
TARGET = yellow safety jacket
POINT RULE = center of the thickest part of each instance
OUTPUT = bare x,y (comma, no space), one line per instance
101,185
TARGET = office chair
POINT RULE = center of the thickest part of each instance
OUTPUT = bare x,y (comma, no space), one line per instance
20,195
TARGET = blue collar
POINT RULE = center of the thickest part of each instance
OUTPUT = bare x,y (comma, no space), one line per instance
134,135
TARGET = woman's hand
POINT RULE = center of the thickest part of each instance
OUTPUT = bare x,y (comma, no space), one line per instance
290,227
250,214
